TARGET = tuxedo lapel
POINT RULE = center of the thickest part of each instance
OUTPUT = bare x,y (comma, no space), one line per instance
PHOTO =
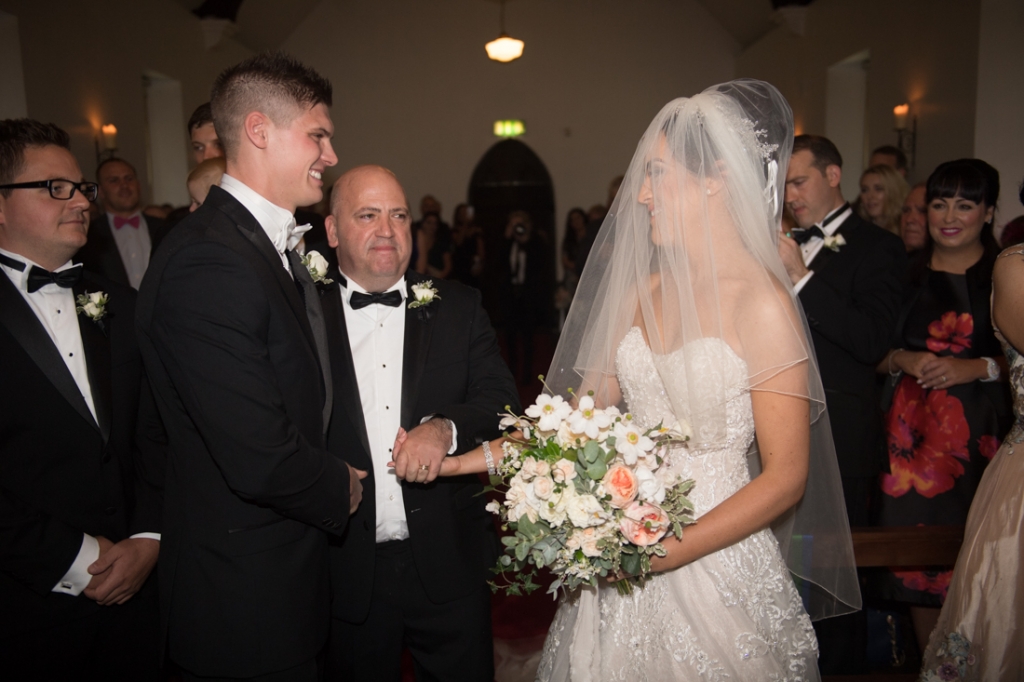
250,228
17,317
418,328
346,386
98,362
826,254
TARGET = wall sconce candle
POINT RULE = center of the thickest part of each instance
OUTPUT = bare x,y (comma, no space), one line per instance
110,137
900,114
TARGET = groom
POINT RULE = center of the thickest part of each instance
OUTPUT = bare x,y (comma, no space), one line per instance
411,570
232,334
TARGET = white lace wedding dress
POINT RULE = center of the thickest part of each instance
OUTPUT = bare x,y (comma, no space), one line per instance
732,615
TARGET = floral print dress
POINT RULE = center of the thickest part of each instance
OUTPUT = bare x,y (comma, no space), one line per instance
940,440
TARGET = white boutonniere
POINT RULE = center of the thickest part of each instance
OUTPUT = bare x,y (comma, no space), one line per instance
93,306
834,241
423,294
317,267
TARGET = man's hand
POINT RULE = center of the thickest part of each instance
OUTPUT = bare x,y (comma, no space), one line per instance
355,487
418,457
121,569
792,258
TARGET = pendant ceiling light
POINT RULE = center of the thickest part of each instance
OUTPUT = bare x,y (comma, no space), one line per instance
503,48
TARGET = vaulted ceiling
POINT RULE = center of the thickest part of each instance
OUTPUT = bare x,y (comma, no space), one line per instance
265,24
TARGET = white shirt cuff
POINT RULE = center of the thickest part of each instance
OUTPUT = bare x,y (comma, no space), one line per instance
147,536
803,281
77,578
455,432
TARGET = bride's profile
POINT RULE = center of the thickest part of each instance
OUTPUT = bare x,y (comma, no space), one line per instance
685,313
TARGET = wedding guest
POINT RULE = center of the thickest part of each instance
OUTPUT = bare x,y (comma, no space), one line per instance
203,135
412,569
981,617
523,292
914,219
204,176
121,242
468,250
948,410
575,233
81,447
232,336
434,246
849,276
1013,232
888,155
882,191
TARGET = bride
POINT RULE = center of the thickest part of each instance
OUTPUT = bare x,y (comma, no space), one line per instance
685,313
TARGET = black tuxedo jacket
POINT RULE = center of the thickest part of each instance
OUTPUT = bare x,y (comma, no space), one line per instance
852,305
62,472
251,492
100,252
451,367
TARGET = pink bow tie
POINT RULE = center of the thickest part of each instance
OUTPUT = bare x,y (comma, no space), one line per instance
120,222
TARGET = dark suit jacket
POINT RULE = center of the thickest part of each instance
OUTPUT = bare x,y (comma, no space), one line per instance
452,367
852,305
100,254
62,472
251,492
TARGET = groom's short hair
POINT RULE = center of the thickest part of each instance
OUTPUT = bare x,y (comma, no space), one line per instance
18,134
823,150
272,83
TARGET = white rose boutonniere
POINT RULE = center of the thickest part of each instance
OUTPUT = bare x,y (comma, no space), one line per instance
317,267
834,241
423,294
93,306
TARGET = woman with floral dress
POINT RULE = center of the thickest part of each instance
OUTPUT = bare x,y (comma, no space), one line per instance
949,408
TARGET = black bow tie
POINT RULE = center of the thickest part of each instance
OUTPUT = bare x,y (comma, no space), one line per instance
391,298
804,236
39,277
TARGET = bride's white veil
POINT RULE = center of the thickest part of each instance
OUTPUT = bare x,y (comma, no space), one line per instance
689,251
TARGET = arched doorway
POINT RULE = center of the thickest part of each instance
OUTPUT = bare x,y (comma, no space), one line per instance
511,177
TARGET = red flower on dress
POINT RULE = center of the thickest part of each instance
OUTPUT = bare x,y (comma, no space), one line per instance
951,331
988,446
932,582
927,436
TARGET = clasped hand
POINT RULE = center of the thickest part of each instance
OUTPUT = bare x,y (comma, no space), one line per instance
933,371
419,454
121,569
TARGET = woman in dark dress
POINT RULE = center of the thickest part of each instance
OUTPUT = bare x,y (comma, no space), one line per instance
950,407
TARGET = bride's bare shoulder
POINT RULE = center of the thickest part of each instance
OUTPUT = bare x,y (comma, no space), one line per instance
768,304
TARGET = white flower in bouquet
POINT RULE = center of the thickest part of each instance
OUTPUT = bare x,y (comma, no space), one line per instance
493,507
529,469
585,511
563,471
543,487
650,487
589,420
630,442
553,510
549,411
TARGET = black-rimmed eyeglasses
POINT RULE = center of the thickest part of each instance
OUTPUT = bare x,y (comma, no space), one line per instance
60,188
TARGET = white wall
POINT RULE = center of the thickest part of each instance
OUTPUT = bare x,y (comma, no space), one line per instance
12,79
84,62
999,134
924,52
414,90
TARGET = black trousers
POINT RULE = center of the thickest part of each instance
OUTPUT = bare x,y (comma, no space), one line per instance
116,643
449,641
308,671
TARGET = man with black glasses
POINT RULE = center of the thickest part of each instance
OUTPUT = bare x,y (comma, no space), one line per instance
81,447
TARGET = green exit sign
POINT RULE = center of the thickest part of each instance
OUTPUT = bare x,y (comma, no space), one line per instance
510,128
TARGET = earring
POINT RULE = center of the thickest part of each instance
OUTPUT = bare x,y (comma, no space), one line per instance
709,191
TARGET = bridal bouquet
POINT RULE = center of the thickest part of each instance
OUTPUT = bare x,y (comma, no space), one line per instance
585,495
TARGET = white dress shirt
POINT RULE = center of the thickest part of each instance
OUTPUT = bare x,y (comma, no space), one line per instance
54,307
134,245
812,247
278,223
376,335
